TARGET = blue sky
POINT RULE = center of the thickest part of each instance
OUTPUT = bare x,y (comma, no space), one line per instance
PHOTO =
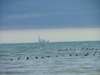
22,21
48,14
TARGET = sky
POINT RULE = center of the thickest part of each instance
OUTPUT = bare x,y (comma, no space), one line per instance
22,21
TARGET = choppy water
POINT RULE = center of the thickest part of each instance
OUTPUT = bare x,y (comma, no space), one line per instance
64,58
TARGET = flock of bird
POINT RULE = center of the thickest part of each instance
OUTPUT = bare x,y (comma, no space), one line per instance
86,54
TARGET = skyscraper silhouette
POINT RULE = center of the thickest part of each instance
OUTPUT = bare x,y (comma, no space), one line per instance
42,40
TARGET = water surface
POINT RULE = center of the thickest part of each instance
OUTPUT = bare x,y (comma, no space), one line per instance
62,58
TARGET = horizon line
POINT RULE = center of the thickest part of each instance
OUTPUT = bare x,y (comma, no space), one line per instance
52,42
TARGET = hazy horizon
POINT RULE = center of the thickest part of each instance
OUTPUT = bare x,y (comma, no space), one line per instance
53,35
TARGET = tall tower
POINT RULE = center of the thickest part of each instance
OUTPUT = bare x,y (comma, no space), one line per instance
39,40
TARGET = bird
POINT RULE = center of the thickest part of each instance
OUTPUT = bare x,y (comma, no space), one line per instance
19,58
11,59
27,58
36,57
87,53
70,48
48,56
93,54
41,57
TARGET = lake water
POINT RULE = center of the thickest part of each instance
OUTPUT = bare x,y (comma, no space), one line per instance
62,58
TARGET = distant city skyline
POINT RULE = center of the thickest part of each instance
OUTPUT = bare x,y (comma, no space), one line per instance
54,35
43,40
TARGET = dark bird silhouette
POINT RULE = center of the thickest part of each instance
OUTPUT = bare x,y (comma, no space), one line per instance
93,54
36,57
27,58
70,55
42,57
47,56
11,59
19,58
85,54
71,49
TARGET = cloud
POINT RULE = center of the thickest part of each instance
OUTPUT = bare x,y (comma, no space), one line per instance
19,16
51,14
